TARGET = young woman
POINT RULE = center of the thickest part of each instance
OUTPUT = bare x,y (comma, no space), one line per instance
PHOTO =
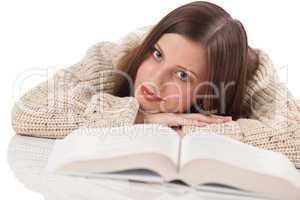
193,70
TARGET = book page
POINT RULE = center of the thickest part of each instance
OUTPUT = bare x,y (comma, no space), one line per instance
247,157
92,144
140,138
140,175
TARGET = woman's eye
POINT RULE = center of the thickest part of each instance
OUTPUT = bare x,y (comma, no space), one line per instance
156,53
183,75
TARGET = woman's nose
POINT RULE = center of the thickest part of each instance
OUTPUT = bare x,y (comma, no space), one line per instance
157,79
161,76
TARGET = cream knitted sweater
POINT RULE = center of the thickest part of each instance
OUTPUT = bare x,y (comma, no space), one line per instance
83,95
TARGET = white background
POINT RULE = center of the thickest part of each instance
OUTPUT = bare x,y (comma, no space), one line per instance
36,35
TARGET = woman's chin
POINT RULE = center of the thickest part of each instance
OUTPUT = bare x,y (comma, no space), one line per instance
154,106
154,110
150,110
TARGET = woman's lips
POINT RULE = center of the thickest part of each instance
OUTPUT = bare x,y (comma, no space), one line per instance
149,95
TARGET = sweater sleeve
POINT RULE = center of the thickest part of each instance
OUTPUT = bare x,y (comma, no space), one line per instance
275,115
79,95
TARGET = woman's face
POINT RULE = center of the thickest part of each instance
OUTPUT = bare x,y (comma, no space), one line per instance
172,71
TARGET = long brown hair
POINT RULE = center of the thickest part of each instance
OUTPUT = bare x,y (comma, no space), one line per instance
229,58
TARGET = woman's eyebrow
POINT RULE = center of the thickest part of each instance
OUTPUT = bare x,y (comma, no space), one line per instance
161,51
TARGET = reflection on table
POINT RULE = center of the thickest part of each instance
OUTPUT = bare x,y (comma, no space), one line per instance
27,157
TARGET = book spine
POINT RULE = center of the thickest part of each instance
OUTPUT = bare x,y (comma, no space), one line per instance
179,156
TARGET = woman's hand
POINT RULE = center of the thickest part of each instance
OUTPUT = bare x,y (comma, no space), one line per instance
180,119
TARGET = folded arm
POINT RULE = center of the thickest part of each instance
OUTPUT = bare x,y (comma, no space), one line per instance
80,95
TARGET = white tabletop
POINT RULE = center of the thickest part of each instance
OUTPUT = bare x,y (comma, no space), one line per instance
27,157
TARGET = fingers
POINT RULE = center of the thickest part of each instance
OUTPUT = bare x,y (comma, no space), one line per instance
224,118
207,119
181,121
184,121
177,120
191,119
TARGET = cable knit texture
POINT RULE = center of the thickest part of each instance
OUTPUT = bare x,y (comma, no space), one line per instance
83,95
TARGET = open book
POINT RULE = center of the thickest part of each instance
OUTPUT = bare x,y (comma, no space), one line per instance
156,153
